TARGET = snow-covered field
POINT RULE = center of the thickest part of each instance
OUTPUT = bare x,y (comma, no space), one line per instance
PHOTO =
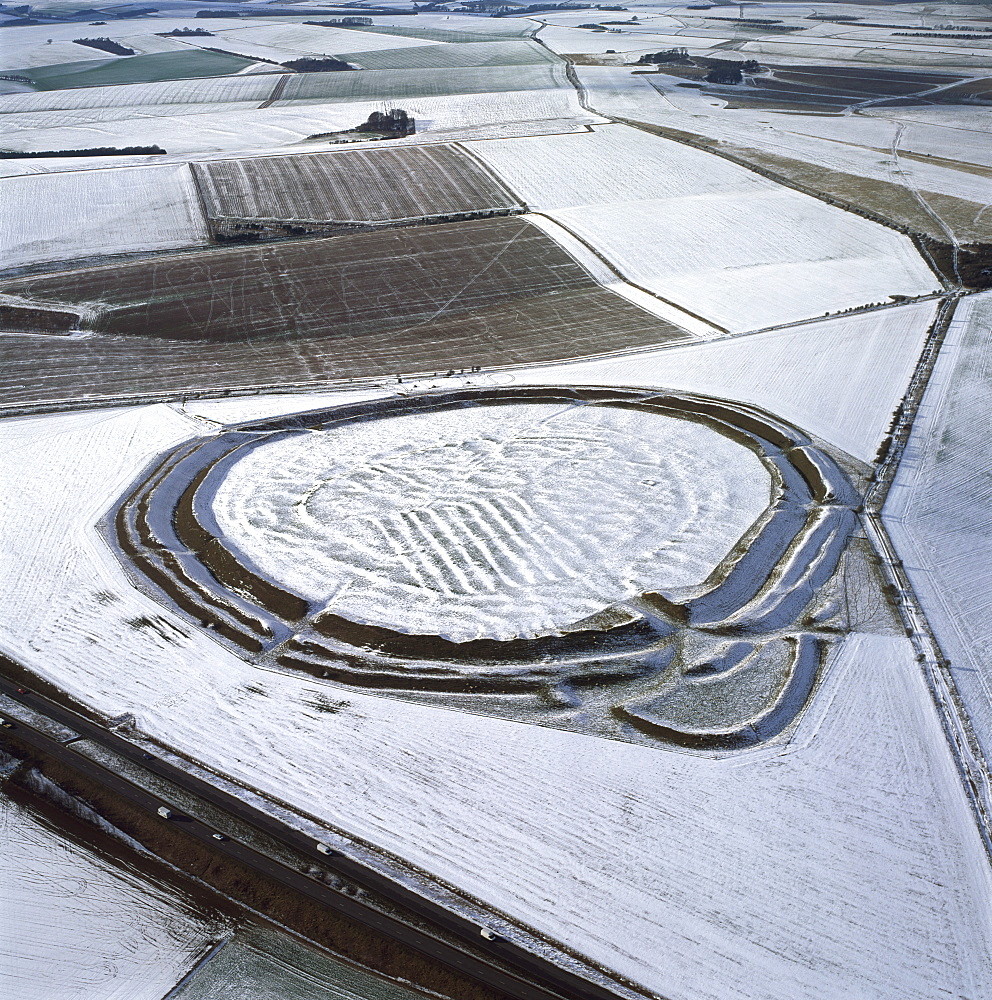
240,125
840,379
213,90
938,509
64,216
839,860
716,239
77,926
606,504
873,144
284,40
842,863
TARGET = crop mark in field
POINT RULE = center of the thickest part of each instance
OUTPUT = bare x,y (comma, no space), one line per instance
642,565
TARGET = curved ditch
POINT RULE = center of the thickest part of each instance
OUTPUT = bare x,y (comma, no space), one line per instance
635,663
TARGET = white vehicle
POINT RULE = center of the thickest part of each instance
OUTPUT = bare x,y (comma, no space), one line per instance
165,812
324,849
488,934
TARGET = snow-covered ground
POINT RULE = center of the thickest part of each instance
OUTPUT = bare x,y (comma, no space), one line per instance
938,509
408,522
243,126
714,238
871,144
840,379
843,863
77,926
64,216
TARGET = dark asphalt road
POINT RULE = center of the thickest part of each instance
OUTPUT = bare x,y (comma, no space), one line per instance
538,979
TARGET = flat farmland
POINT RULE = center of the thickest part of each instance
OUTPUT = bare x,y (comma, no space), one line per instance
69,215
300,40
363,186
213,90
400,84
714,238
512,52
487,293
507,28
240,125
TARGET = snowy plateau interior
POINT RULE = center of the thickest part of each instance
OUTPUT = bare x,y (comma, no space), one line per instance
480,467
492,522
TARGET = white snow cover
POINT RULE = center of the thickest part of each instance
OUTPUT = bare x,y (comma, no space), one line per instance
491,522
859,144
840,379
29,45
229,126
77,927
608,276
844,863
715,238
286,39
64,216
938,509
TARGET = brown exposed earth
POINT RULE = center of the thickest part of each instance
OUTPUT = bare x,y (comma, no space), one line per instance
246,199
422,299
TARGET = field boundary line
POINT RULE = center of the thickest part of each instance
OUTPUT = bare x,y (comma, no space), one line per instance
623,278
698,142
276,92
968,756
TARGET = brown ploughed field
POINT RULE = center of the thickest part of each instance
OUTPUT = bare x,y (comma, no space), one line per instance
421,299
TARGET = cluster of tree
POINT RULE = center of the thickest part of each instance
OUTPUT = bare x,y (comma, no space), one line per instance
728,72
674,55
534,7
938,34
726,75
182,32
393,123
105,45
316,64
7,154
218,13
17,78
343,22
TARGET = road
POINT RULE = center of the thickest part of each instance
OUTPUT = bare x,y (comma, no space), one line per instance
534,978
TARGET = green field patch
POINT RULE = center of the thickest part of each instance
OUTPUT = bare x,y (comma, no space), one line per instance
152,68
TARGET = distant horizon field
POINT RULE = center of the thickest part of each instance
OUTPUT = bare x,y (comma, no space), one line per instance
158,67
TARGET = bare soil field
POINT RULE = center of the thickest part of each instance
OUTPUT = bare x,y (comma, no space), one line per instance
583,322
360,187
420,299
